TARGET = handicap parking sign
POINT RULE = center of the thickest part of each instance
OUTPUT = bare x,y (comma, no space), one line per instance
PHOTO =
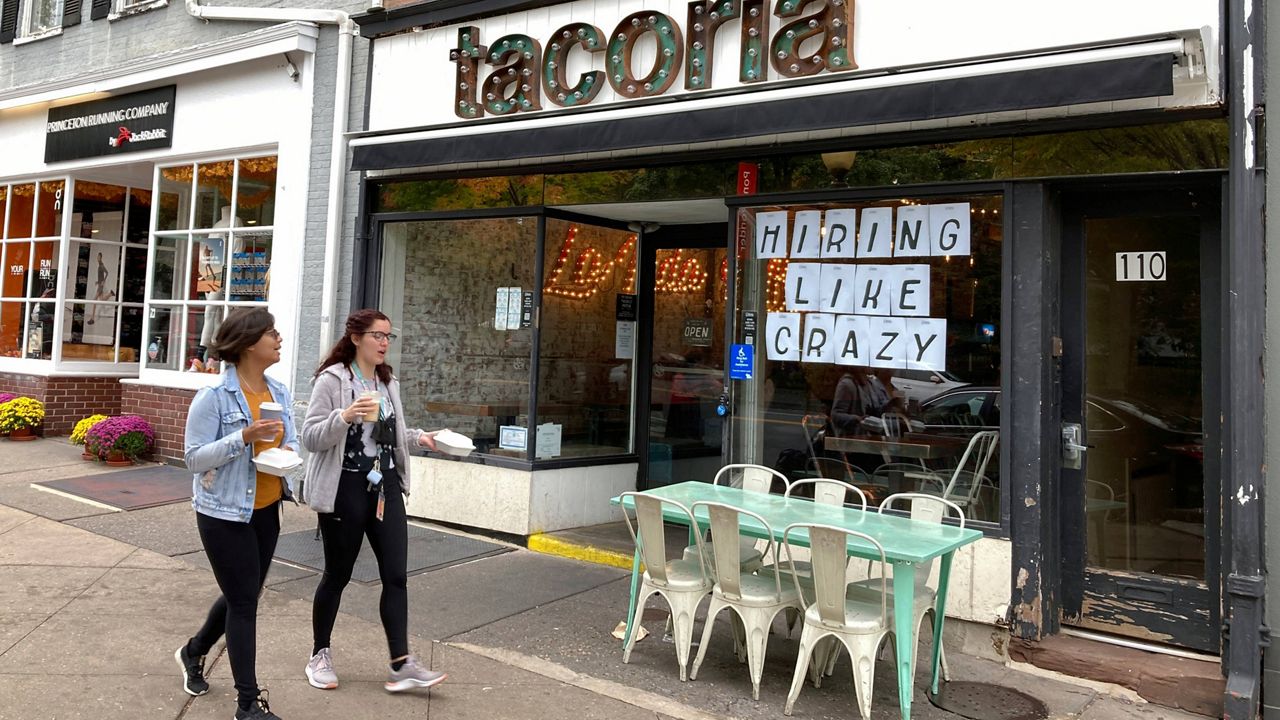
742,361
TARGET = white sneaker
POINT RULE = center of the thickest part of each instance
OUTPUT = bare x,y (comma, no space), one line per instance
320,671
412,675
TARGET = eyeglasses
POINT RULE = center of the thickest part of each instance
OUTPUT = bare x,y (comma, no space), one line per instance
381,336
275,334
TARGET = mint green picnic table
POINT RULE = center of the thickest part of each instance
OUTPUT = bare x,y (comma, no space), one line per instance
907,545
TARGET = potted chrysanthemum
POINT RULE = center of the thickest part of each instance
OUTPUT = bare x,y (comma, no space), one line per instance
120,440
19,416
80,434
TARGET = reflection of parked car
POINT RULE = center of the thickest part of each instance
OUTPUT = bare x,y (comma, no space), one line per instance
1128,440
921,385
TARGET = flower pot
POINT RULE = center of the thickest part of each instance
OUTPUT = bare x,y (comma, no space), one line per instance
22,435
86,455
115,458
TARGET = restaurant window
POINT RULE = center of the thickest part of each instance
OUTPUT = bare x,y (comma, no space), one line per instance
32,230
584,372
878,341
211,252
457,292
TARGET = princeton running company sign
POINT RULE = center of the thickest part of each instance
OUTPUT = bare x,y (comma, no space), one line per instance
111,126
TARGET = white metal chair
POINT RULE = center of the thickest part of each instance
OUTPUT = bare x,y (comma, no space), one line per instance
681,583
827,492
755,599
752,478
924,508
970,473
855,622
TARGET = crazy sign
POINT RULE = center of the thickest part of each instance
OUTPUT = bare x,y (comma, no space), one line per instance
855,308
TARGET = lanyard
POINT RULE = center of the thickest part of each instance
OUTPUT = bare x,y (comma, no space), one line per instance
366,385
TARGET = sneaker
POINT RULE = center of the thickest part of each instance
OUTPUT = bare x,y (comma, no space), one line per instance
192,672
258,710
412,675
320,671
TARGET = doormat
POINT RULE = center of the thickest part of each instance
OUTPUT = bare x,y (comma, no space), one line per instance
428,550
985,701
135,489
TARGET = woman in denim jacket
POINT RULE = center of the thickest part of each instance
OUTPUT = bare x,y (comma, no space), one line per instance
237,508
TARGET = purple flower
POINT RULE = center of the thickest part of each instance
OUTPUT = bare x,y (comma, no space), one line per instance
6,397
129,434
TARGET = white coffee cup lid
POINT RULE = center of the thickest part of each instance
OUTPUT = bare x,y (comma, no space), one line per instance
270,406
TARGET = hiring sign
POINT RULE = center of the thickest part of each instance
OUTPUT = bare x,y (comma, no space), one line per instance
860,313
111,126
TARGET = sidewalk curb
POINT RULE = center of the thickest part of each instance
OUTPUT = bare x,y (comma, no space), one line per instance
622,693
552,545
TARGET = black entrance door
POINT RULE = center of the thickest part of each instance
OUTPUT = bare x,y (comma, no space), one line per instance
682,311
1139,480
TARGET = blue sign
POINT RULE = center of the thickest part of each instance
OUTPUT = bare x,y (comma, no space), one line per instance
742,361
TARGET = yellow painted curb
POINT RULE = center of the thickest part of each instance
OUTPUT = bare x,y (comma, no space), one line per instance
551,545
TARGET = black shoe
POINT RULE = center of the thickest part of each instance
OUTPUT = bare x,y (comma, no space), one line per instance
192,672
258,710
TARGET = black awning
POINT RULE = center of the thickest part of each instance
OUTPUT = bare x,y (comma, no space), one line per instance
1140,77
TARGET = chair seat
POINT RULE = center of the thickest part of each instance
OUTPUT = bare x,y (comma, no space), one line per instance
748,556
860,617
871,586
682,575
760,590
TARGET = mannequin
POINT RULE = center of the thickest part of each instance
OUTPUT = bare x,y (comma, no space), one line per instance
211,268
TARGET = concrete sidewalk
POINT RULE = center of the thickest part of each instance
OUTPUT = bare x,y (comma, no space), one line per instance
93,603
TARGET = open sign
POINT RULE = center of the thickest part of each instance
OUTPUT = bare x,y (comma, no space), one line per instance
697,332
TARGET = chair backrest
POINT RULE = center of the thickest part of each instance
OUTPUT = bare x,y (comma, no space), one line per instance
911,475
829,555
895,424
649,533
838,468
749,477
977,455
727,529
926,508
830,492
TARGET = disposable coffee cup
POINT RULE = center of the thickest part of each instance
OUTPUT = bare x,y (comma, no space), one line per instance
372,415
271,411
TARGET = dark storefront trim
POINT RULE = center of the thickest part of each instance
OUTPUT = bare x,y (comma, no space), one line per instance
1140,77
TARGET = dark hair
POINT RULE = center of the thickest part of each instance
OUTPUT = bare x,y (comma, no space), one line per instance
242,329
344,351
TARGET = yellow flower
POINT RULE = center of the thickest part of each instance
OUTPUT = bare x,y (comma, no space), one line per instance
21,412
81,430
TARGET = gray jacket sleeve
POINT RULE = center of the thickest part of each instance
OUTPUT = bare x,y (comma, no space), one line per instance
324,428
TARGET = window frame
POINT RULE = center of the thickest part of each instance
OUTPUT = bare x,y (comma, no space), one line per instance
126,8
25,33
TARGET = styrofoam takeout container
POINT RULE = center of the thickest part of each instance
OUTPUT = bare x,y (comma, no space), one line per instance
277,461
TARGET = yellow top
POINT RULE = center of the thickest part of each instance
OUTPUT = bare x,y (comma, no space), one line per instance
270,487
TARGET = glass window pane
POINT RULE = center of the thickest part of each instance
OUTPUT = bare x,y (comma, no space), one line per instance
130,334
89,332
17,265
12,318
135,274
583,384
45,262
22,207
164,339
208,276
839,375
139,216
256,191
97,213
249,277
166,269
203,323
213,194
174,212
4,204
49,221
459,367
95,271
40,330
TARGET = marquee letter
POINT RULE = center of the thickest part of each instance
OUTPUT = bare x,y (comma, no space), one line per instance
873,297
666,65
888,343
556,62
875,233
771,227
926,344
467,57
819,331
705,19
839,288
852,333
913,226
911,290
804,284
834,22
839,241
513,85
807,235
950,229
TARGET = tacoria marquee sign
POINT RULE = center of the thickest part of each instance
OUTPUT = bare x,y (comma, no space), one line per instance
589,54
520,70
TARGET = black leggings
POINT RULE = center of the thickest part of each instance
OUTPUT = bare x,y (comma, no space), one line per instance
353,518
240,554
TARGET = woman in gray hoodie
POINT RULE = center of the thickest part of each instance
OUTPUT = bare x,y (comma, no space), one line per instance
357,478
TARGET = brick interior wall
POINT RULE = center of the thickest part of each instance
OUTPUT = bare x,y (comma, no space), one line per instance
166,410
66,399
